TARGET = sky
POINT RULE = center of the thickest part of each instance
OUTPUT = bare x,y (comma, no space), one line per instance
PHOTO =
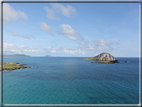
71,29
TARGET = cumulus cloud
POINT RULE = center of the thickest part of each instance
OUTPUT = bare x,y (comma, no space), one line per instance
69,32
51,14
46,28
18,48
66,30
28,36
56,8
67,11
10,14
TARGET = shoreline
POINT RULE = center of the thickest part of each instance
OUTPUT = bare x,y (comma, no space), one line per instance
12,66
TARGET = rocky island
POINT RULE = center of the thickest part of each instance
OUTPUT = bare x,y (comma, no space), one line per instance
103,58
12,66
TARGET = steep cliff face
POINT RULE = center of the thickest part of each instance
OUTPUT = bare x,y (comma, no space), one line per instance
103,57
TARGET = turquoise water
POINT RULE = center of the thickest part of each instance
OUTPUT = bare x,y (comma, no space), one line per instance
71,80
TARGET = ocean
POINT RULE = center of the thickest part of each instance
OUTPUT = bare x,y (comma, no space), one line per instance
71,80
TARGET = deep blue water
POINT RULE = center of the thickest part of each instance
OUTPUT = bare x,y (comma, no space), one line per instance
71,80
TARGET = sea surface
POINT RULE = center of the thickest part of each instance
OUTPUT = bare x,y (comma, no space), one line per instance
71,80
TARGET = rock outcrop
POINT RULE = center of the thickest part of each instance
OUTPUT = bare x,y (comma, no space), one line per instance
12,66
114,61
107,62
102,57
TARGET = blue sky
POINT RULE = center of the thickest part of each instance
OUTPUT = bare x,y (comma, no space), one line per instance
71,29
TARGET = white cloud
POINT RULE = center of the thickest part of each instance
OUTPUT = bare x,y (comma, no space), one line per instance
73,51
97,46
9,14
66,31
67,11
104,43
51,14
64,50
69,32
86,46
18,48
46,28
51,49
28,36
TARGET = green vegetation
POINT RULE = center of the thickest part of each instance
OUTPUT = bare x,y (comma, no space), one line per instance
104,58
94,58
11,66
103,62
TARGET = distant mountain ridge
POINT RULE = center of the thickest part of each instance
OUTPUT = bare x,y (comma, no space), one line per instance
103,57
17,55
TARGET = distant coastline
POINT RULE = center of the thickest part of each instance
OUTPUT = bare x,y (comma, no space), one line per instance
17,55
48,56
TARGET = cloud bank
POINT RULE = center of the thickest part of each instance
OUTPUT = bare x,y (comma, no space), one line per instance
62,50
18,48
